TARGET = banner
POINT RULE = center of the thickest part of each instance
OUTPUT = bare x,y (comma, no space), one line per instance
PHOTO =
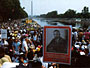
4,33
28,21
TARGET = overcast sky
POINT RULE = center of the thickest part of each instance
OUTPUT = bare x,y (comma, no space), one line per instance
45,6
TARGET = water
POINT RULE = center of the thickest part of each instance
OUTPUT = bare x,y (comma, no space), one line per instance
46,22
78,25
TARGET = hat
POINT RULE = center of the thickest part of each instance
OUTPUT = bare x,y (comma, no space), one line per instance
38,49
21,53
26,34
13,37
34,50
10,33
32,47
83,40
16,32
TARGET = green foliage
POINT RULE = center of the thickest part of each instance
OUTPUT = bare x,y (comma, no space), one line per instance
79,15
85,12
11,9
61,15
68,14
52,14
42,15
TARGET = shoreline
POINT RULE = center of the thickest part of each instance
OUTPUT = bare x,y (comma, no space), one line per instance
84,23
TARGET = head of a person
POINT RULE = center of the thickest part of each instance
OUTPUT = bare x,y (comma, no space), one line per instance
56,33
23,38
16,40
2,52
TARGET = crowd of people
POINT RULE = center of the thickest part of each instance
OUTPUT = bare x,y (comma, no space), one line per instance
80,47
81,41
24,44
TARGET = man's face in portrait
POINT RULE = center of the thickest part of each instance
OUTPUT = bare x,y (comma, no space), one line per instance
56,34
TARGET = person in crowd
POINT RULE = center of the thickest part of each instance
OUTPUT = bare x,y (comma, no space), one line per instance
78,42
30,54
2,43
80,35
38,39
22,59
3,57
10,42
87,35
29,42
16,46
35,39
75,34
24,47
84,42
88,47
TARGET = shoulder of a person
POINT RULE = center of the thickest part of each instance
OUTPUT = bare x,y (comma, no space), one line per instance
6,56
24,42
19,43
51,42
0,65
53,39
88,45
0,62
62,39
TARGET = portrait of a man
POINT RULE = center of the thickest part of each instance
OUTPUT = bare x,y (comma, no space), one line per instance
57,44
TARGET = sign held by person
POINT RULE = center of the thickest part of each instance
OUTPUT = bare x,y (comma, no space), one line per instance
57,44
4,33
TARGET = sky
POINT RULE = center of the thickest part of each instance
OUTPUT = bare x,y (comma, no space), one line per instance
45,6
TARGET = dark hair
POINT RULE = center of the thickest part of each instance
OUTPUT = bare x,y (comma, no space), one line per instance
56,31
23,37
2,51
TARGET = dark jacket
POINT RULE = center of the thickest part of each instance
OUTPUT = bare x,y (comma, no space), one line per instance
59,46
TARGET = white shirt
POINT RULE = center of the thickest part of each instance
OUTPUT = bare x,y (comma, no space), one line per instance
24,44
43,63
5,42
9,65
75,35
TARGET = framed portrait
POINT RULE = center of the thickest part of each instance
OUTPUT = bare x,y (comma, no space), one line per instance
57,44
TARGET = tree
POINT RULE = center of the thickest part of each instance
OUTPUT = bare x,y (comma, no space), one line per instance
70,13
61,15
85,12
52,14
11,9
43,15
79,15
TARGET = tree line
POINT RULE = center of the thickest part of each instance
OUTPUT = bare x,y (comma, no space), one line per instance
68,14
11,9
